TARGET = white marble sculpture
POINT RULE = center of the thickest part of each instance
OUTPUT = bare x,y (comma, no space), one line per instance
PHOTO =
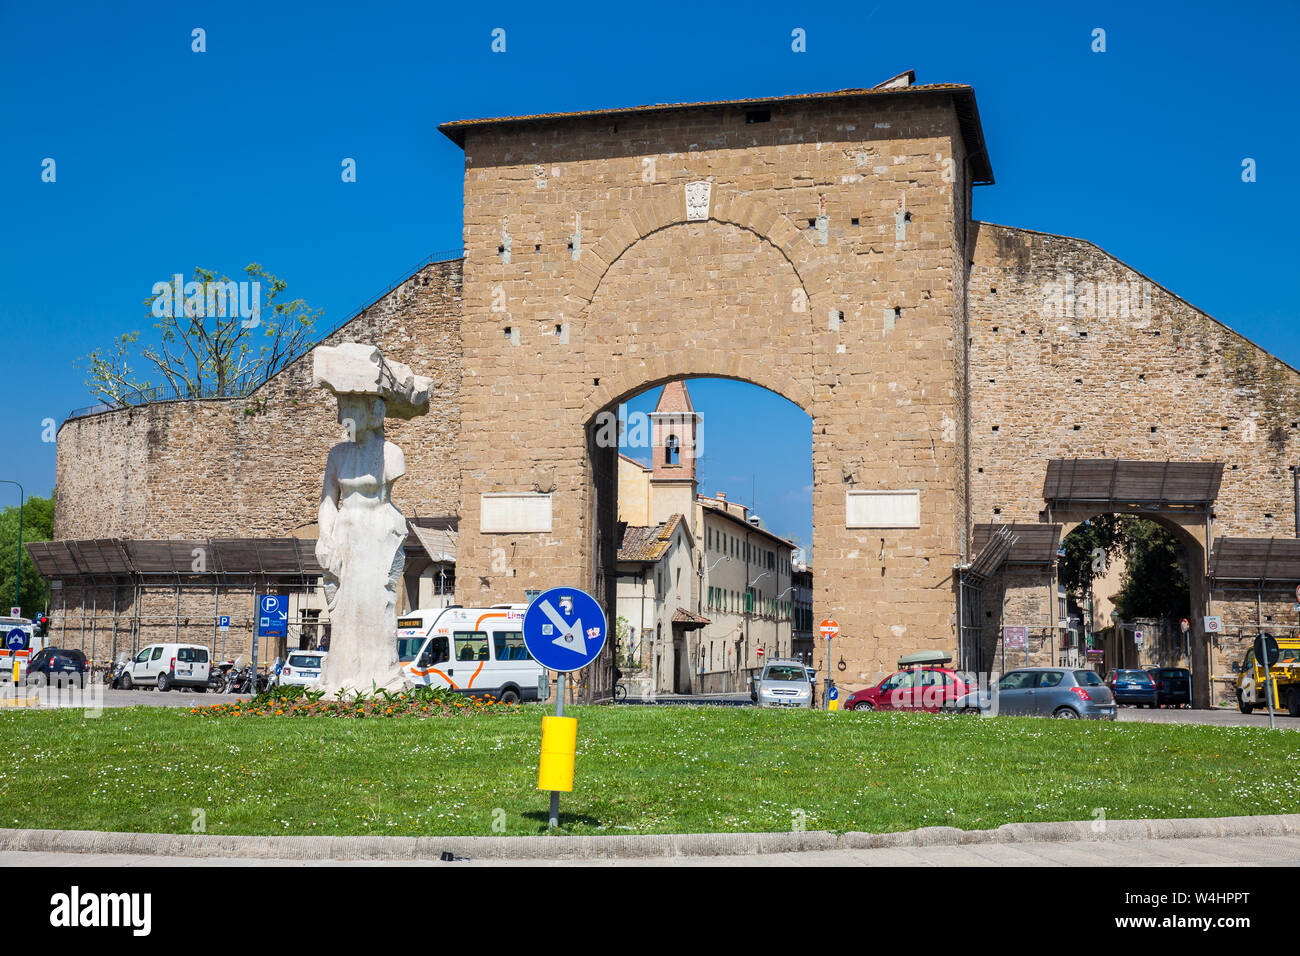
361,532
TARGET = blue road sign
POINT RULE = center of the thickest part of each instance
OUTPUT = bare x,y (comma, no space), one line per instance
16,639
273,615
835,693
564,629
223,622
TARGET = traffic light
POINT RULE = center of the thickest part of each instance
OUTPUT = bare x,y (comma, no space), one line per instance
40,625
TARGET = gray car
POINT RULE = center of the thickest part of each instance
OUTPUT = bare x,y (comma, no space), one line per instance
1064,692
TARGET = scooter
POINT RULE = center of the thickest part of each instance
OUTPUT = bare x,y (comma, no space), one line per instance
113,677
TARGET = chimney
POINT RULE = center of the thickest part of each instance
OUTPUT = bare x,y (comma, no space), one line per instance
722,496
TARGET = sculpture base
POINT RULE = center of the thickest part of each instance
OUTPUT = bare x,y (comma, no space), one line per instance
397,683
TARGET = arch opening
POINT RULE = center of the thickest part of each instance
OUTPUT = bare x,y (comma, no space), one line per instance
705,586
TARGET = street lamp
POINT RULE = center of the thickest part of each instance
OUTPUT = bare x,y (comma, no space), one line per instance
18,566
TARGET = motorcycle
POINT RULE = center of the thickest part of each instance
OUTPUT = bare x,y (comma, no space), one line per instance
243,678
113,676
227,675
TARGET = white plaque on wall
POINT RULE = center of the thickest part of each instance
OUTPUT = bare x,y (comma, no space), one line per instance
882,509
515,513
697,200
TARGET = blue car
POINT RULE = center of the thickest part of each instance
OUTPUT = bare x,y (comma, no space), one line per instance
1132,687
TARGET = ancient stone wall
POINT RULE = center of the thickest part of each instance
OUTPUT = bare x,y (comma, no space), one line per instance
1073,354
253,466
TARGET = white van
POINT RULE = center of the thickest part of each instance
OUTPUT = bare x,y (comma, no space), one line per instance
168,665
475,650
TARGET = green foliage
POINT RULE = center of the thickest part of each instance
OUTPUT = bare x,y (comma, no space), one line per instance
1154,584
203,356
1089,548
290,700
38,525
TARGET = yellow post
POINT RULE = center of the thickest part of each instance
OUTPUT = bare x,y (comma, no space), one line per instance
15,657
559,744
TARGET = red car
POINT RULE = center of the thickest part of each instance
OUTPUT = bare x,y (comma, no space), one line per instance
922,684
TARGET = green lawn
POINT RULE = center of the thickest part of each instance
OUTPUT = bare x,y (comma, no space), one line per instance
640,770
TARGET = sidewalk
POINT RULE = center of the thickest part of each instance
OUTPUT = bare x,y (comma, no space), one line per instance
1260,839
1202,851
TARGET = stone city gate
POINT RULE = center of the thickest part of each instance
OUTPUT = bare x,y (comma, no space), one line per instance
694,271
820,246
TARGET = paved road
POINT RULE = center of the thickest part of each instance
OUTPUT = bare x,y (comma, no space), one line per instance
97,695
1219,717
1207,851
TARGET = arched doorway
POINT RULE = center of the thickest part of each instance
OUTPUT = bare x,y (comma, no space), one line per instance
1167,549
702,491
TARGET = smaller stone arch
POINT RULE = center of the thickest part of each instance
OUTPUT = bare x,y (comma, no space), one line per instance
701,363
669,209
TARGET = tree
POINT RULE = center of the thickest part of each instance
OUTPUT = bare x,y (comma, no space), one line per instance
1088,550
38,525
226,338
1153,584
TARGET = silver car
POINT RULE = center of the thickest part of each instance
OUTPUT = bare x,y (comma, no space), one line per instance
783,684
1044,692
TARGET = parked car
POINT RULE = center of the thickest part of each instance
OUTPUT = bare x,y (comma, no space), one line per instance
56,666
923,683
1132,687
782,684
303,668
1173,685
168,665
1060,692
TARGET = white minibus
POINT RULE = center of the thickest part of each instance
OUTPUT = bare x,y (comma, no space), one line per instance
474,650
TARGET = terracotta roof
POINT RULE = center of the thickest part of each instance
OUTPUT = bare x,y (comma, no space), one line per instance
962,94
683,616
438,538
647,543
675,398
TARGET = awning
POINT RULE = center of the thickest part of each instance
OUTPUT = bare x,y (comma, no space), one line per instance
437,536
1106,482
1257,561
1028,544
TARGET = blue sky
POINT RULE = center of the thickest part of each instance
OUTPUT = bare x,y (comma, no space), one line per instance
168,159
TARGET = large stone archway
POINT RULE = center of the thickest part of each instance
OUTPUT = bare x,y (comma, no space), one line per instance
705,275
1191,531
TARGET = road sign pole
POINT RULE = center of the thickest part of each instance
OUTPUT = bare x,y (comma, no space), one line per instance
1268,690
561,685
564,630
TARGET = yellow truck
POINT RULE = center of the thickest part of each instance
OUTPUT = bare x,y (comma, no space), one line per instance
1285,676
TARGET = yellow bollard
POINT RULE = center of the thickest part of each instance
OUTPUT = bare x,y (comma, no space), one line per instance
16,662
559,743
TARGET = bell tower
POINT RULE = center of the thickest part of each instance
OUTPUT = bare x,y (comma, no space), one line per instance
674,430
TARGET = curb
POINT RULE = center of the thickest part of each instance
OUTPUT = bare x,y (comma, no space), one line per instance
640,846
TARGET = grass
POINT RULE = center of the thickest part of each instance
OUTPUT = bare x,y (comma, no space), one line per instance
639,770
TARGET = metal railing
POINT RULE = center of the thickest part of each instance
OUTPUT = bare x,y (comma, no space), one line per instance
183,393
